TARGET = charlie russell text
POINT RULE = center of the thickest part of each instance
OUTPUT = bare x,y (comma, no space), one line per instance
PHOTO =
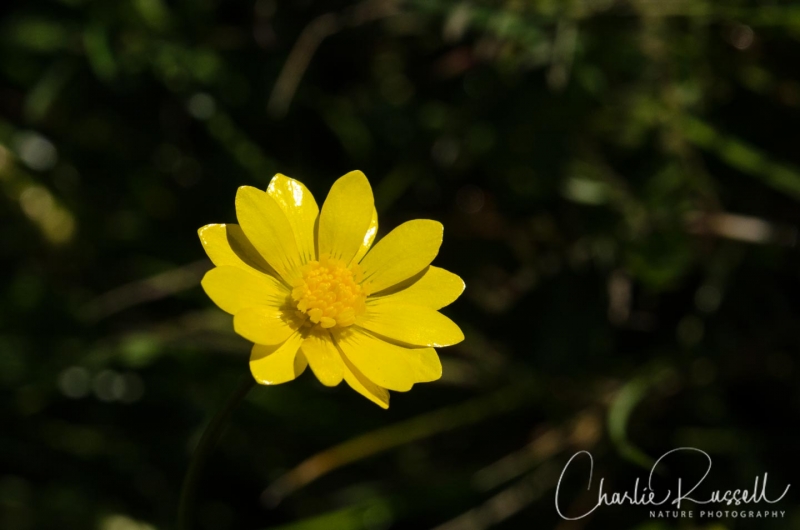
648,496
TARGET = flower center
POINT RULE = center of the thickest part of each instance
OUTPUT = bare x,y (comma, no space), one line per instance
329,293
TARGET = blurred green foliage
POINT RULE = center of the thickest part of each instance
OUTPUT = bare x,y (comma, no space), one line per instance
618,181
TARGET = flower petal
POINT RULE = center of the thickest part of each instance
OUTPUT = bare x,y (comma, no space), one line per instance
411,324
324,358
273,365
365,387
372,231
433,288
402,253
429,367
226,244
270,232
346,216
387,365
301,210
263,325
234,289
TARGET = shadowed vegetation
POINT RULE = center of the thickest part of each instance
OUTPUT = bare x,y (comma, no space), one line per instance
619,186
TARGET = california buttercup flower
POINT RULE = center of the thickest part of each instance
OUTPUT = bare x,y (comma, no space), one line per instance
308,288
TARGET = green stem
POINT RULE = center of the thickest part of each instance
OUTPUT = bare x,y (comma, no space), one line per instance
207,443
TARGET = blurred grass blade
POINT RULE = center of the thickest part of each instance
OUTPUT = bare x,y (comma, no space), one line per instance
98,51
45,92
408,431
377,513
743,156
147,290
618,416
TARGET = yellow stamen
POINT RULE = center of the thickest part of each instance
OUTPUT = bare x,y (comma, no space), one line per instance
330,293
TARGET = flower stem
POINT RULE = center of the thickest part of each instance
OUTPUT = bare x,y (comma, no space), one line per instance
204,448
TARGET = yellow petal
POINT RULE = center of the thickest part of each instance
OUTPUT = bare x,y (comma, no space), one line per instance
226,244
433,288
300,209
270,232
273,365
411,324
369,237
234,289
324,358
365,387
263,325
429,367
402,253
346,216
387,365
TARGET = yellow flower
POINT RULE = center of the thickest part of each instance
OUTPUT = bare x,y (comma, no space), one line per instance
306,289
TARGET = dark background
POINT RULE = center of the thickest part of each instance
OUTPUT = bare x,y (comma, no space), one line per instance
619,186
